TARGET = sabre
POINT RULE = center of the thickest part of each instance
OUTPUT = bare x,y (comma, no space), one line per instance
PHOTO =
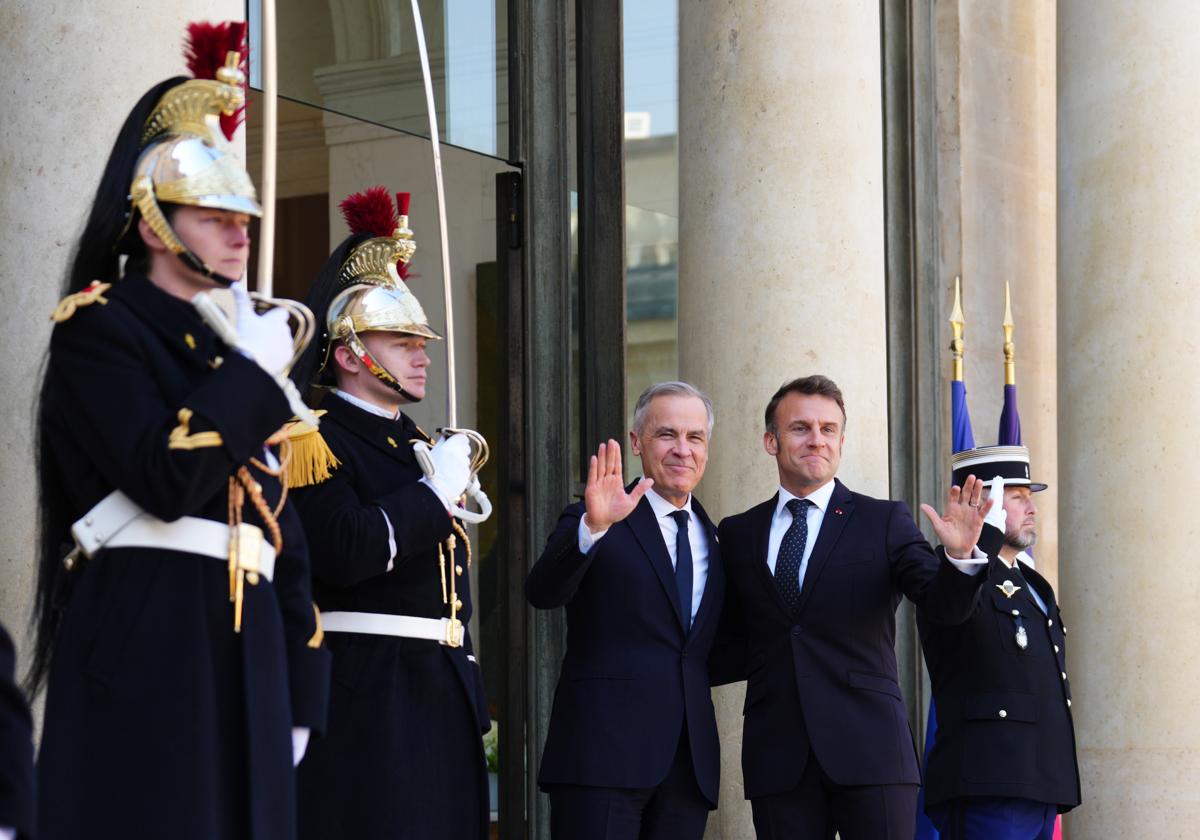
479,447
270,125
216,307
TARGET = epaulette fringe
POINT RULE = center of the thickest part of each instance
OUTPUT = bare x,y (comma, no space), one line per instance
311,461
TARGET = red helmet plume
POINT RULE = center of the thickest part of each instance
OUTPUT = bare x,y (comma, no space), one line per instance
204,51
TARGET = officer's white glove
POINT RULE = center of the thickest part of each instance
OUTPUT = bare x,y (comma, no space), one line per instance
451,459
264,338
300,735
997,517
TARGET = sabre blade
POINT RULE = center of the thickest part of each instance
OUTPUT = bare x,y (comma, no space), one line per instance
451,395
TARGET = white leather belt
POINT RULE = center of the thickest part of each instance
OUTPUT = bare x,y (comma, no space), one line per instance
119,522
441,630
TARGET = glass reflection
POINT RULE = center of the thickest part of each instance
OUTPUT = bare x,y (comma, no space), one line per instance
360,58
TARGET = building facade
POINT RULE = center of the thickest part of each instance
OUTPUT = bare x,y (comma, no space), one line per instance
734,194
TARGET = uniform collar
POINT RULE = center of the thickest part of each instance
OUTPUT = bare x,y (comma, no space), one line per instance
368,407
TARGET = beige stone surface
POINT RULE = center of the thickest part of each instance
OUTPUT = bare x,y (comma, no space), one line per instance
70,74
1128,182
781,249
1006,113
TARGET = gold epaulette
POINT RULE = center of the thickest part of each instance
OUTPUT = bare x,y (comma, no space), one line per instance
92,293
311,461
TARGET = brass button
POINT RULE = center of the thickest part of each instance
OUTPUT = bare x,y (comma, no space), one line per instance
1056,648
1068,702
1003,713
458,605
1050,622
458,570
1064,675
1016,612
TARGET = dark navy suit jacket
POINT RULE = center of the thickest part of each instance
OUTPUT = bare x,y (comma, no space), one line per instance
823,680
631,677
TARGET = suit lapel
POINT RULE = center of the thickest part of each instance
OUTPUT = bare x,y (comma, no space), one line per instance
837,514
760,525
645,528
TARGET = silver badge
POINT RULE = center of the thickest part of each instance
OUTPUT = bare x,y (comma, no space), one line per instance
1008,588
1022,638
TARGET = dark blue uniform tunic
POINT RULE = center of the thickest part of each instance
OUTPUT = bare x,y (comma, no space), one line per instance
160,720
404,754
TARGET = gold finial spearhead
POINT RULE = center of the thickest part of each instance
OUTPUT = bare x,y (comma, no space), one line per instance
957,325
1010,365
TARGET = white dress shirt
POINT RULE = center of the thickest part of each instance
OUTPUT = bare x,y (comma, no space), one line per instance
371,408
697,539
782,520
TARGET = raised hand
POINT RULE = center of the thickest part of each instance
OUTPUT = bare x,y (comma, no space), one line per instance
959,527
605,498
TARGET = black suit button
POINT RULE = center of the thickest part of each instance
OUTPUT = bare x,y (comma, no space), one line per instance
796,630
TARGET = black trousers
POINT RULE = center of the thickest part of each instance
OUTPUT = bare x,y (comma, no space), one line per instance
818,807
673,810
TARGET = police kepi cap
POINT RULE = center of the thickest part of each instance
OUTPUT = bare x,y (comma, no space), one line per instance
986,462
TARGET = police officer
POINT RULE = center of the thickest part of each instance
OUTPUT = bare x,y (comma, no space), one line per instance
175,623
404,755
1003,762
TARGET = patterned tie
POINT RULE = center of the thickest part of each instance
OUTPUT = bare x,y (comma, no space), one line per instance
683,567
791,553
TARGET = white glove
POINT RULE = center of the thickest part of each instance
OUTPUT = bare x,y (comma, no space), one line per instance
997,517
300,735
452,468
264,338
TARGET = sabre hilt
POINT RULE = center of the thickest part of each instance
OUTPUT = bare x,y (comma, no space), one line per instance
474,491
218,310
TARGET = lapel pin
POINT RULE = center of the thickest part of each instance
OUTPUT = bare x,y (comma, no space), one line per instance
392,441
1008,588
838,511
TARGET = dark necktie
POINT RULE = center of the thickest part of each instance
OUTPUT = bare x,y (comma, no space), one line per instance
791,553
683,567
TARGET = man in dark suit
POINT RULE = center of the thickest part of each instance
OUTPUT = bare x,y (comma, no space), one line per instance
632,752
815,576
1003,764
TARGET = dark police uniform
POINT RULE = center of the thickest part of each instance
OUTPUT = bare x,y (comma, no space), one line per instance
160,720
1003,697
404,755
16,748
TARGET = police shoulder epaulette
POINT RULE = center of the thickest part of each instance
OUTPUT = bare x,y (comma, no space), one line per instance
92,293
311,460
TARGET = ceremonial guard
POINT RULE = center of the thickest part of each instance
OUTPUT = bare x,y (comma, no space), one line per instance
403,756
176,632
1003,762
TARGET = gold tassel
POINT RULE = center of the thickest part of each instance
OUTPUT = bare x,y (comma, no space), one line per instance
311,461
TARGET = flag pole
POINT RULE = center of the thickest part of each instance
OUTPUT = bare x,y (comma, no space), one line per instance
957,324
1010,365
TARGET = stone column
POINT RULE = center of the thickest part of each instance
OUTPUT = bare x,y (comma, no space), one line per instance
1129,396
1006,118
72,72
781,249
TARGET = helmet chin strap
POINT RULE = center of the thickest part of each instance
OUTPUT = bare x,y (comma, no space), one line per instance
356,346
142,196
